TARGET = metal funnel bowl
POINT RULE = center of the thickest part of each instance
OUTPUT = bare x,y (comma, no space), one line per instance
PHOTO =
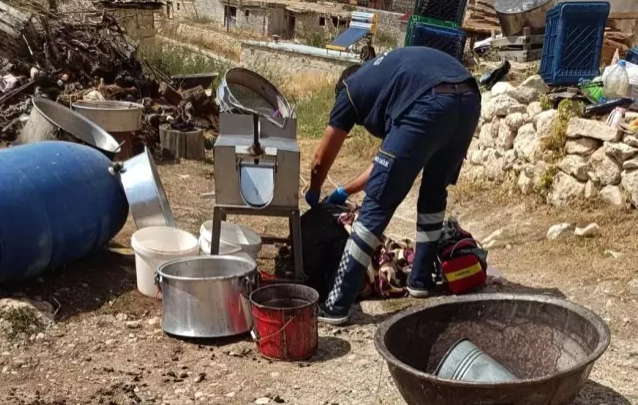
548,343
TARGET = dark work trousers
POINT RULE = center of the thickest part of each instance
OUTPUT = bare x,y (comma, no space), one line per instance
432,137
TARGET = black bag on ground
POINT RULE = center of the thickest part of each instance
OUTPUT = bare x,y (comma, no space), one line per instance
323,241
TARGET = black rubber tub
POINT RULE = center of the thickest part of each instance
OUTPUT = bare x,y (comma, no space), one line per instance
548,343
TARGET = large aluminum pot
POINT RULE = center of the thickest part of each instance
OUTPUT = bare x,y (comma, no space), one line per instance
144,191
515,15
207,296
112,116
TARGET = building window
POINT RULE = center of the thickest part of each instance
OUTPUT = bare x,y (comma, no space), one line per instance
178,6
322,21
246,13
335,21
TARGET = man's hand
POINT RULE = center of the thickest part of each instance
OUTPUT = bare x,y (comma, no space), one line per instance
312,198
338,197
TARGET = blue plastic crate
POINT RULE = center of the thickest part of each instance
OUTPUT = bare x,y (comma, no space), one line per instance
632,56
573,42
444,10
448,40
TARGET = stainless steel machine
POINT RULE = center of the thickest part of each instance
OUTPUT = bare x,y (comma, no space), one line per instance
257,163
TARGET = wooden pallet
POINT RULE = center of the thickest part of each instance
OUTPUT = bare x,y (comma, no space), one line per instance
521,48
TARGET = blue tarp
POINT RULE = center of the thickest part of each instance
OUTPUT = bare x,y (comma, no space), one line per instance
347,38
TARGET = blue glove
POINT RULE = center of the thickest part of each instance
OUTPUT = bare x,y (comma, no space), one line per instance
338,197
312,198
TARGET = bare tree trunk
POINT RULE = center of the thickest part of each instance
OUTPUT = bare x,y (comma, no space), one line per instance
182,144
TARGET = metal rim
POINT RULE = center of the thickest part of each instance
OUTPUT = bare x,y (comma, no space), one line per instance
113,146
315,297
252,268
168,126
110,104
266,89
151,229
548,3
600,326
447,354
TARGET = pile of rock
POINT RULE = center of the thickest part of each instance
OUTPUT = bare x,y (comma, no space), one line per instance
510,143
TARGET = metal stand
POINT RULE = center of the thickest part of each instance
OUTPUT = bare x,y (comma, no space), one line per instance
294,223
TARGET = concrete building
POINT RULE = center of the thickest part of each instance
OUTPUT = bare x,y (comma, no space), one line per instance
285,18
139,18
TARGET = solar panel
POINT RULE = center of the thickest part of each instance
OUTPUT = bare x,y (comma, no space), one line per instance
348,37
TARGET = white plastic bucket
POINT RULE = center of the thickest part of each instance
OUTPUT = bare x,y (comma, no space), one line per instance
225,248
233,235
155,246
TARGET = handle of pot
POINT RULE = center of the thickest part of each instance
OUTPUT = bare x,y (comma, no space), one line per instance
257,338
158,284
119,147
116,168
248,286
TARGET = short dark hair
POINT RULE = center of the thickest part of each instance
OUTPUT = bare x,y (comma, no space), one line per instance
349,71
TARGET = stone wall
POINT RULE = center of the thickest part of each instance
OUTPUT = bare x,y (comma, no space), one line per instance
183,9
138,23
308,23
551,152
212,10
226,45
257,55
263,21
388,23
402,6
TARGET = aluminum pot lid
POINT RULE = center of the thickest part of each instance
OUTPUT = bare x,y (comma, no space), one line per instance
138,174
76,124
518,6
207,268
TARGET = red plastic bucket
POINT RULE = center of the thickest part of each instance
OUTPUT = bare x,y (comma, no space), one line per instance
285,318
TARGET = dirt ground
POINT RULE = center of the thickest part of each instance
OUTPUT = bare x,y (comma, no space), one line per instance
106,345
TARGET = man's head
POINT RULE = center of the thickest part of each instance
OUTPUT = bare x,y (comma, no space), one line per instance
344,75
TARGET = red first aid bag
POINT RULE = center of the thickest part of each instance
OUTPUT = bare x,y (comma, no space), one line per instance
462,269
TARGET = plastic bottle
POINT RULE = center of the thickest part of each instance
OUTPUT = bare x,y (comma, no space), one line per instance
617,82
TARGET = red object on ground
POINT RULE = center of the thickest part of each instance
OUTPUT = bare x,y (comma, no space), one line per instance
463,274
285,318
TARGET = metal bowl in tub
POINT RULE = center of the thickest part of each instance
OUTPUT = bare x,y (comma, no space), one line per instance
515,15
144,191
112,116
77,125
207,296
548,343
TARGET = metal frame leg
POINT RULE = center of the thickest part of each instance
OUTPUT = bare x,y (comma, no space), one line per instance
218,217
295,233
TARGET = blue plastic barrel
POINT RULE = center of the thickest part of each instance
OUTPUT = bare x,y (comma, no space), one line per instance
58,204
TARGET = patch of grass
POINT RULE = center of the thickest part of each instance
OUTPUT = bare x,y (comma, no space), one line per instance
313,112
22,320
362,144
545,103
318,39
555,143
174,60
385,40
201,19
547,179
532,69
